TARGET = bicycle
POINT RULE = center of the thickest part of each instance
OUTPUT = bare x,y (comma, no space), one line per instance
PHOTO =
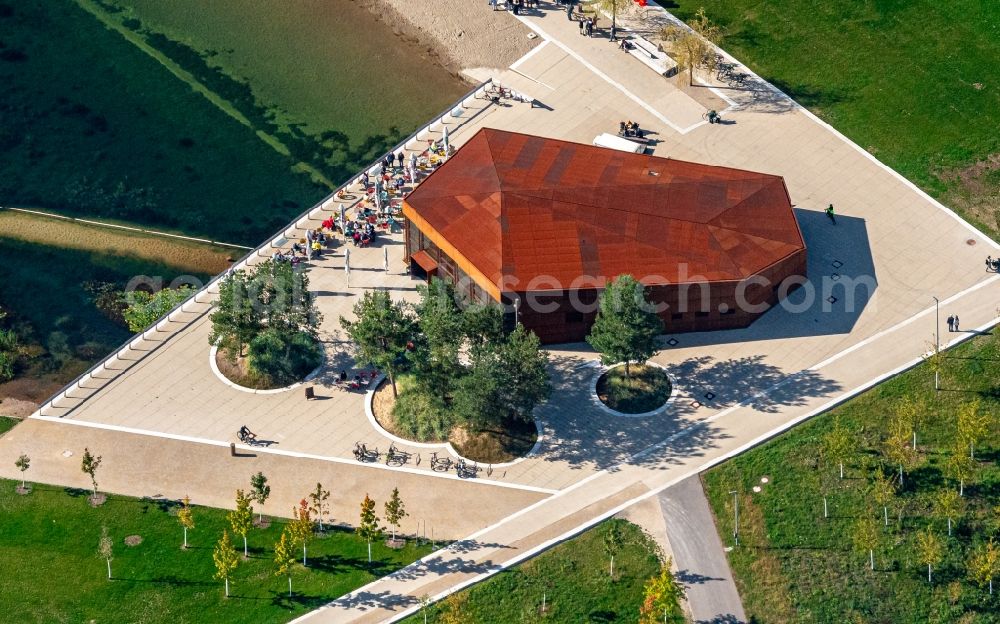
440,464
396,457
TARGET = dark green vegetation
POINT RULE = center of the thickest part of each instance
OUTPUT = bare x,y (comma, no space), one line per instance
265,325
574,578
158,581
646,389
65,305
793,565
916,83
626,328
94,126
476,405
7,423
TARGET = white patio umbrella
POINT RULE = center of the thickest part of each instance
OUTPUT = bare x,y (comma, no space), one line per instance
413,167
444,140
385,265
343,218
347,266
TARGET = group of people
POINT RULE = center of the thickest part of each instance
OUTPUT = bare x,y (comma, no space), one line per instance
587,26
992,265
362,378
514,6
629,129
953,323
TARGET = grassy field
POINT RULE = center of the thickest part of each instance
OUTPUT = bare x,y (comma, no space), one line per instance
574,579
644,389
6,424
94,126
179,254
794,565
61,309
57,531
916,83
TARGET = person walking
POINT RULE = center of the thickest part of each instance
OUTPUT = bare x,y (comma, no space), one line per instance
951,323
569,10
580,24
956,323
829,213
493,3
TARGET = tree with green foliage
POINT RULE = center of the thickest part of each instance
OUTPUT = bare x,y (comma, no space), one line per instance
22,463
838,444
897,448
260,491
382,332
302,527
226,559
482,325
959,466
973,425
435,363
865,538
613,542
282,357
319,496
284,558
284,299
930,550
395,511
106,548
368,528
883,490
615,7
909,410
626,326
506,380
144,308
662,598
89,465
237,318
984,564
694,45
947,506
241,519
10,351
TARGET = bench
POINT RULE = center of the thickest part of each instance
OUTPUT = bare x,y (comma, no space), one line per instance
647,52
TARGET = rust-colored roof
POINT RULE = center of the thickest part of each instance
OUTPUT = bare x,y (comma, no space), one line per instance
526,207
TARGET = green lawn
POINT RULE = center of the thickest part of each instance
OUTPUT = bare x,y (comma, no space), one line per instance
7,423
793,565
52,573
93,126
644,389
916,82
573,578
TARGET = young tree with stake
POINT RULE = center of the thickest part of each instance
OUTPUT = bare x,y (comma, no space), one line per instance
959,466
865,538
948,506
89,465
662,602
368,529
241,519
693,47
23,463
838,444
930,550
284,557
302,527
395,511
226,559
318,498
106,549
984,564
186,517
613,542
883,490
260,491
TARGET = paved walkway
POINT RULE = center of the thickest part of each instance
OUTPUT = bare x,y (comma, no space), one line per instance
699,555
737,387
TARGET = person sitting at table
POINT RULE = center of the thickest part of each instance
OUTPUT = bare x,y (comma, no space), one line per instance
399,184
364,179
320,237
328,223
298,248
317,249
356,236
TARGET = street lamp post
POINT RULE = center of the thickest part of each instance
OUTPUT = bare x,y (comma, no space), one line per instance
937,342
517,306
736,517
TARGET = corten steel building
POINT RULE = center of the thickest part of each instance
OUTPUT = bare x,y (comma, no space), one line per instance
543,224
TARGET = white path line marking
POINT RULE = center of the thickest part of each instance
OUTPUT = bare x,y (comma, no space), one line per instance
533,51
259,449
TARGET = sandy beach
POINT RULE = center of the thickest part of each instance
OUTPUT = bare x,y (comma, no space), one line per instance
464,34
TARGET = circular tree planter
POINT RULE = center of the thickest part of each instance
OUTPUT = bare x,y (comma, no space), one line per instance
98,500
460,445
23,490
225,371
646,392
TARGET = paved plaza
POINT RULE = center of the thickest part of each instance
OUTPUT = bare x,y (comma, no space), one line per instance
735,387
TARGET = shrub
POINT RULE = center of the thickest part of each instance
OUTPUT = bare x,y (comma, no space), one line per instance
284,358
422,416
